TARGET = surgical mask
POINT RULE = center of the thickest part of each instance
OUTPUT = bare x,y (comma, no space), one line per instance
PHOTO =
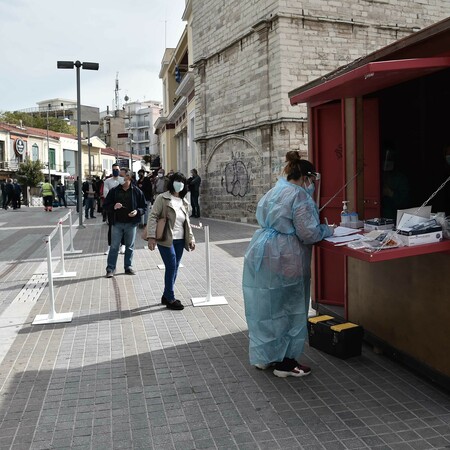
448,159
178,186
160,175
115,172
121,180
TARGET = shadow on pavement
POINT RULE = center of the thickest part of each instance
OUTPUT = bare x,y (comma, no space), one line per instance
205,395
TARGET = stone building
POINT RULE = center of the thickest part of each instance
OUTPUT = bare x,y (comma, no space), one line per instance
249,55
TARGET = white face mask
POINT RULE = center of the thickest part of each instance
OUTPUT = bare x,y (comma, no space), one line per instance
160,175
121,180
178,186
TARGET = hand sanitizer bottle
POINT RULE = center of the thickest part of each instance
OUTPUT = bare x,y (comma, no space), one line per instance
345,216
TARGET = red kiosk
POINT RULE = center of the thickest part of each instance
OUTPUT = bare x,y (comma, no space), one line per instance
399,97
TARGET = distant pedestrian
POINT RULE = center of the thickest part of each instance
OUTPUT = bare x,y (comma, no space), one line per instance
127,205
161,182
61,193
194,188
172,206
145,185
48,194
89,195
108,184
4,194
17,198
98,192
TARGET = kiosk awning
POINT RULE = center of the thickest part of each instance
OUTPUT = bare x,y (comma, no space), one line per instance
369,78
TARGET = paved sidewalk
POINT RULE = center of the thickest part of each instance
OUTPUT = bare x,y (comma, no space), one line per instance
128,373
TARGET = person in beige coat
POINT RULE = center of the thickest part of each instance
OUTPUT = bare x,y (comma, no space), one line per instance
178,234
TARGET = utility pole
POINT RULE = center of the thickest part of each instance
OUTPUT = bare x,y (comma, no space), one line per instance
88,123
48,147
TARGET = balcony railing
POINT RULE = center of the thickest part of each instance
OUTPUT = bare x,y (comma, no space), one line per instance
94,168
9,165
140,124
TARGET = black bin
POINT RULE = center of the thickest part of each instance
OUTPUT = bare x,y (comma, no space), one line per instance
337,338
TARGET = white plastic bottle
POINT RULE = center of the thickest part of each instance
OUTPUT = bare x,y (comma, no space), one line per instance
345,216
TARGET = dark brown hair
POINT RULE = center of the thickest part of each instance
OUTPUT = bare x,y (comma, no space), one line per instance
297,167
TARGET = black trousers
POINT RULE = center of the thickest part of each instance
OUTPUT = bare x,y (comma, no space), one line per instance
194,204
61,200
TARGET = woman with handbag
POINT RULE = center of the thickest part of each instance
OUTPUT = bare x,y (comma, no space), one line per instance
168,226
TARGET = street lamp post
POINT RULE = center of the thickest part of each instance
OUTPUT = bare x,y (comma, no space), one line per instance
86,66
88,123
48,149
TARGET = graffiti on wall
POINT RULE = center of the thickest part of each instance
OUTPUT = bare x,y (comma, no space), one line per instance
236,177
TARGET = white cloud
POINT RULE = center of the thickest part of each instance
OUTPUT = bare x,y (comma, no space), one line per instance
124,37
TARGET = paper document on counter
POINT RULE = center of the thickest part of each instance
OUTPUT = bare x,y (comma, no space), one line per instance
340,239
345,231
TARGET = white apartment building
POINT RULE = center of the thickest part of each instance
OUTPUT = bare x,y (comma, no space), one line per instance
140,118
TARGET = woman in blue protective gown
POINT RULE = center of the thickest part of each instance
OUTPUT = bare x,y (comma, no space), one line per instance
277,270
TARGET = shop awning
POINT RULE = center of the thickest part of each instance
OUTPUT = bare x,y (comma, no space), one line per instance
369,78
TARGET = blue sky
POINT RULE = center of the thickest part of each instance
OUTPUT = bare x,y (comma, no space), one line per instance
124,37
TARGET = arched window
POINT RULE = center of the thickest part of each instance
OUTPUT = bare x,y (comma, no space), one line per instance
34,152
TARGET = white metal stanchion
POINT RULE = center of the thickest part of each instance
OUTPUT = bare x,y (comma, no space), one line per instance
52,316
209,300
71,250
63,273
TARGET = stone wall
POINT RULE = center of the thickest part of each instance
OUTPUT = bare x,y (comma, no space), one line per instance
249,55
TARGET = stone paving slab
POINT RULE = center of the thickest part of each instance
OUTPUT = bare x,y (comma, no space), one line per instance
128,373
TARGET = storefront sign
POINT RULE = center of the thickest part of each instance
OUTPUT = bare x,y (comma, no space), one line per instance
19,147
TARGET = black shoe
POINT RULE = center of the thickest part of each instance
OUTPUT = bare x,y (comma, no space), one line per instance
175,304
130,271
93,217
164,300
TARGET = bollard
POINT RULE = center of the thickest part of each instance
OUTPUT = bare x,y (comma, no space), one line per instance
72,250
209,300
52,316
63,273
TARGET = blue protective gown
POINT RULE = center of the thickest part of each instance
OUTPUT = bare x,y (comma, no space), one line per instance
277,272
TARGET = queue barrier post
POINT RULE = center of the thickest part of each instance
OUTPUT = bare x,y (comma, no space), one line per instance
63,273
71,251
209,300
52,316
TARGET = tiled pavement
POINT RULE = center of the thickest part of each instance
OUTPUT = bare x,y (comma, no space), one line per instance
128,373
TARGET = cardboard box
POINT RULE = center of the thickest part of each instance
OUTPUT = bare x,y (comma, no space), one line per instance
371,227
379,223
418,239
334,337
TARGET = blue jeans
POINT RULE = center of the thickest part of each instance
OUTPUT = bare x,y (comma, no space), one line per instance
119,231
171,257
88,206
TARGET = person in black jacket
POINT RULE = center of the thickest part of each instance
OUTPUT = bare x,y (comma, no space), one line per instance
61,193
194,188
145,185
127,203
